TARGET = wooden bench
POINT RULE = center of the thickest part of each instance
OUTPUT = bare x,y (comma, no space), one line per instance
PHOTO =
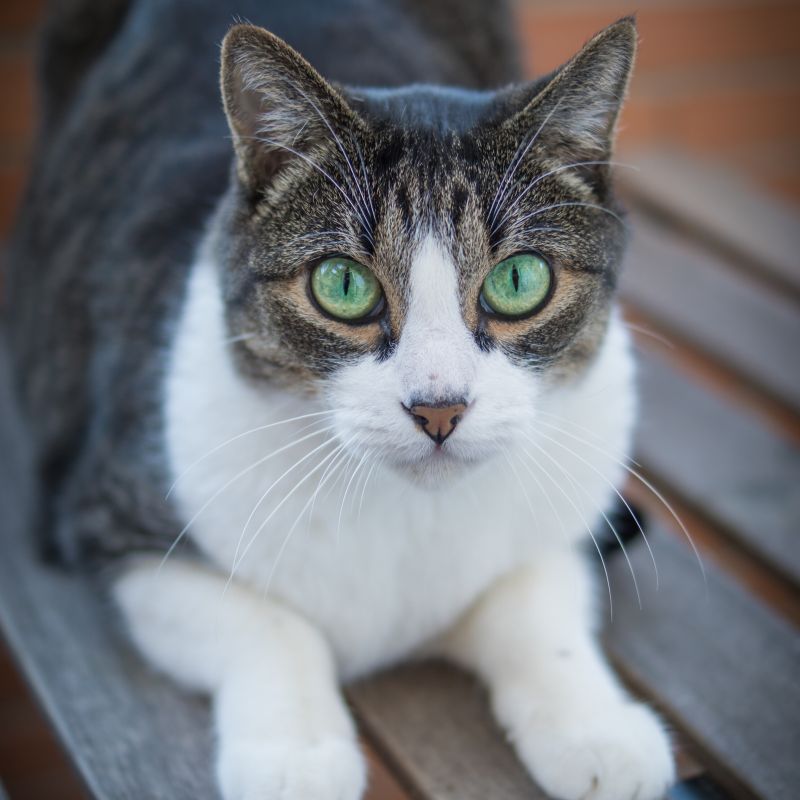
712,291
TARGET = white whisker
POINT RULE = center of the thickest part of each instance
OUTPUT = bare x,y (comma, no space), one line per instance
608,522
582,518
229,483
280,505
274,484
540,178
502,189
634,473
616,491
240,436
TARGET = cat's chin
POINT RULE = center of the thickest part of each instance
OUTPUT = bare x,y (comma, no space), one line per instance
435,470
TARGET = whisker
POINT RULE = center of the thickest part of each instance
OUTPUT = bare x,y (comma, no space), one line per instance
583,428
277,508
240,436
546,495
285,542
229,483
344,494
375,462
502,189
634,473
571,479
574,203
242,337
366,178
333,466
337,140
274,484
526,232
652,334
585,524
521,484
616,491
354,208
540,178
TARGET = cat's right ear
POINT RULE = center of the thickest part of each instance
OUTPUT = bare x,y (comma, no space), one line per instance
278,106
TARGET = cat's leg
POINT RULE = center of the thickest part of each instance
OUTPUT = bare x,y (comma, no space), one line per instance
283,731
579,734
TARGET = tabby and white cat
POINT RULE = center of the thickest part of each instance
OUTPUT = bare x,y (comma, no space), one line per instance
397,396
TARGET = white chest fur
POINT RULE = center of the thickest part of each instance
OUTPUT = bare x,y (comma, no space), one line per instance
380,576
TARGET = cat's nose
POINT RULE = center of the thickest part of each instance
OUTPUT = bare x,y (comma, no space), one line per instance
438,420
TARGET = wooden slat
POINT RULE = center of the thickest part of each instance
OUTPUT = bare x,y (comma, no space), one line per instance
433,724
723,461
723,209
699,367
717,661
734,318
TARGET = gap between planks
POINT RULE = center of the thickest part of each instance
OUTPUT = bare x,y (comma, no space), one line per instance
652,335
728,553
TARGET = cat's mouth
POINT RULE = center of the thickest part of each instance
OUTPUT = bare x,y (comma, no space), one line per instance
441,463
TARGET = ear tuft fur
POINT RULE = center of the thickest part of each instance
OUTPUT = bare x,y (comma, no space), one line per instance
278,106
578,108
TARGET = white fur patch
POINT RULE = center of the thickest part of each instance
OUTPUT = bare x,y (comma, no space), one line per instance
368,566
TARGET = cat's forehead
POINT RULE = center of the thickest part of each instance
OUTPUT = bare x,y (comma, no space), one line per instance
437,109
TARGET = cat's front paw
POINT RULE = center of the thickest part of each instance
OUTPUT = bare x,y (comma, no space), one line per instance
328,770
619,755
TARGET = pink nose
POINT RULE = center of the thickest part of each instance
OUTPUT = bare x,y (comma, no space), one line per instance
438,421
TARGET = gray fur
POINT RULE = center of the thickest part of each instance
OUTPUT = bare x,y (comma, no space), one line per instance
135,158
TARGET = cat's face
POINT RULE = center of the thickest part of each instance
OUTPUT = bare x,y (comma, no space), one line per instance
430,261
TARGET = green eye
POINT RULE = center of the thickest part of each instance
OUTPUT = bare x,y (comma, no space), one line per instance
345,289
517,285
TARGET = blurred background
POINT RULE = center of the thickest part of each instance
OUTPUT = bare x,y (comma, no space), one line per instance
716,78
712,293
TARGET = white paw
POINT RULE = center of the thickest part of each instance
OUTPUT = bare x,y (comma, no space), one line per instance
255,770
620,754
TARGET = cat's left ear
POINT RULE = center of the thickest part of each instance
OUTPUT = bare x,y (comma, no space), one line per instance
574,116
279,107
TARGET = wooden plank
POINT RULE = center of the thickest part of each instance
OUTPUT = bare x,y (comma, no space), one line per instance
723,209
433,724
715,376
726,463
721,665
749,327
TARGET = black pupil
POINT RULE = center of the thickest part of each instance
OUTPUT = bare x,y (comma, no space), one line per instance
346,281
515,278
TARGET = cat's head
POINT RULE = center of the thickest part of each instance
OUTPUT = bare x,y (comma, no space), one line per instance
430,261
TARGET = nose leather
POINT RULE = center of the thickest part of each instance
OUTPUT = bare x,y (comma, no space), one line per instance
438,421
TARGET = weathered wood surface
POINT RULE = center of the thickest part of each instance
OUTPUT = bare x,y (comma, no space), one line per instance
433,724
721,208
724,461
749,327
721,664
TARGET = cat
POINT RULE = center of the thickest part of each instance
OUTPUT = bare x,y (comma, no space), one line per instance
367,346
